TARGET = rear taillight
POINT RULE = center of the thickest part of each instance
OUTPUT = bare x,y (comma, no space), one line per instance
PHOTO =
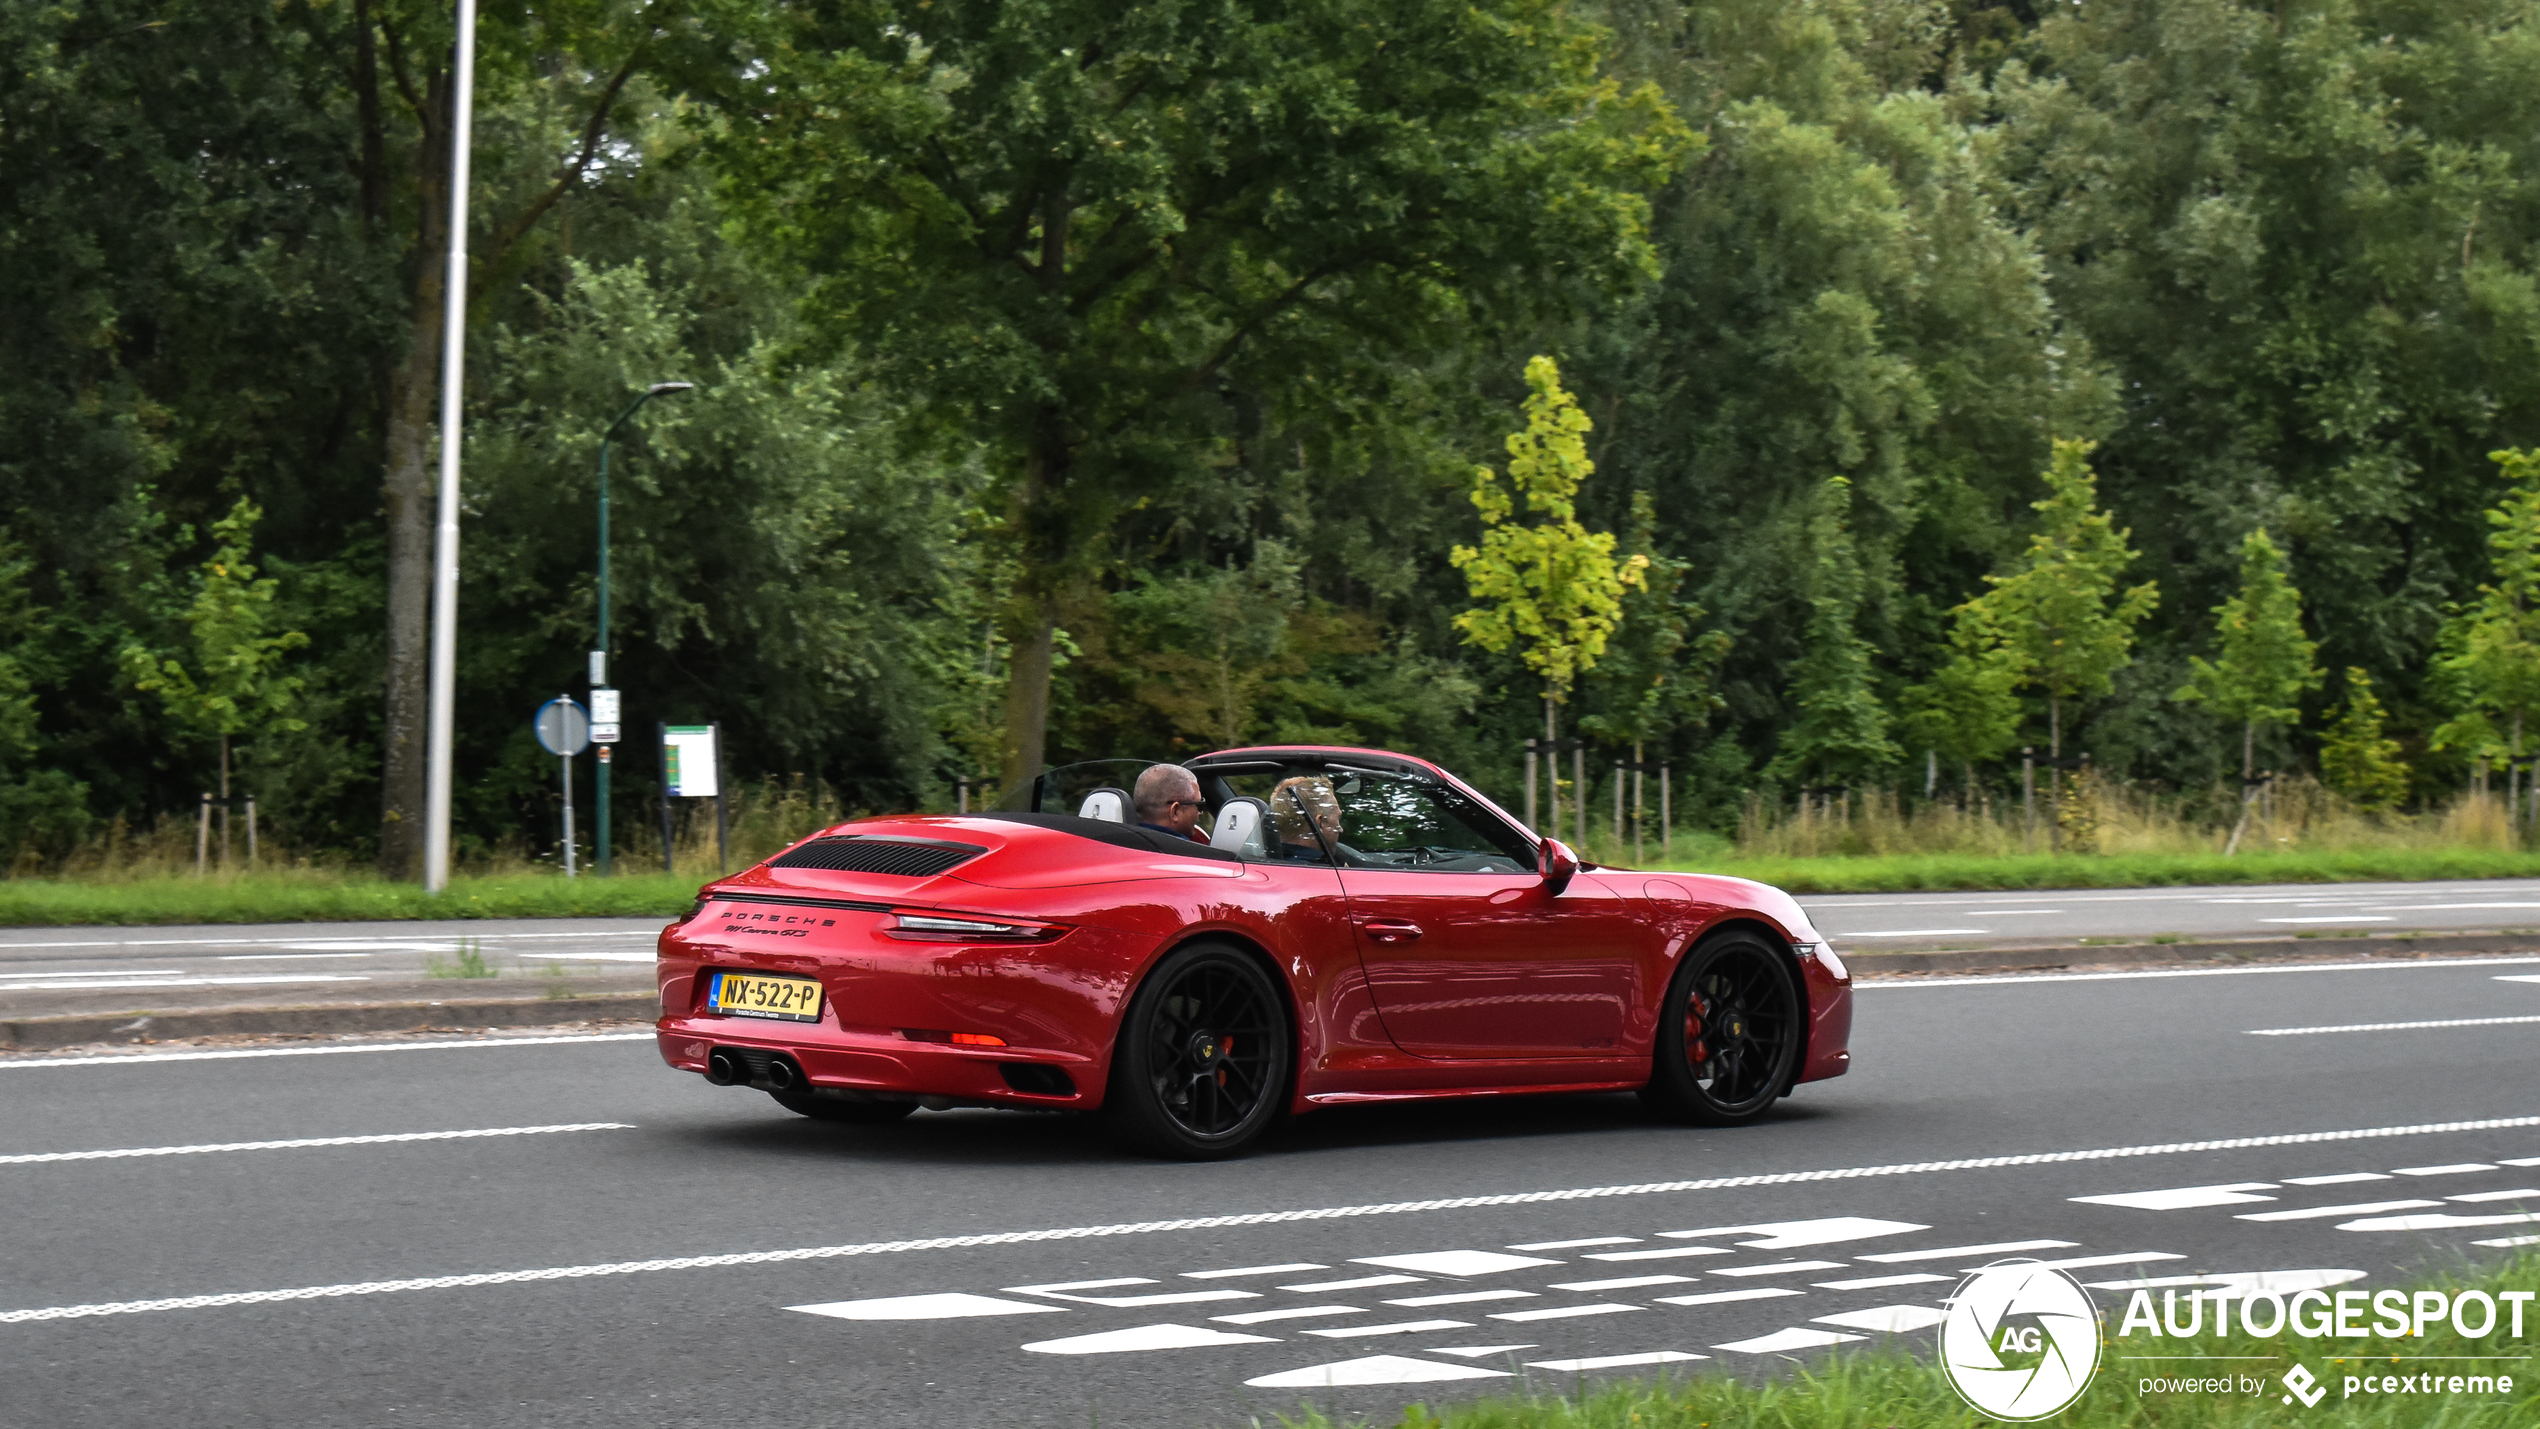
947,928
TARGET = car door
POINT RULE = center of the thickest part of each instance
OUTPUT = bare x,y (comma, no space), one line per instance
1468,954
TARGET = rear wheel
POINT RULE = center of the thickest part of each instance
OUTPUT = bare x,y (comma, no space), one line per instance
1202,1066
837,1107
1730,1033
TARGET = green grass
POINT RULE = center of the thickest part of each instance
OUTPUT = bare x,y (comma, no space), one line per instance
325,896
1897,1385
1902,873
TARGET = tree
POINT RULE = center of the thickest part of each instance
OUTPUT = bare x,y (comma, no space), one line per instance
2357,759
1969,711
1543,582
1840,734
2058,613
1104,232
2493,646
230,679
1657,675
2266,661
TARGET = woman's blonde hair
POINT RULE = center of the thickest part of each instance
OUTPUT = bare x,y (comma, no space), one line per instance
1298,804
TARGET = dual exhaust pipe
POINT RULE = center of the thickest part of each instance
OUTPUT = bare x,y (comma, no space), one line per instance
728,1068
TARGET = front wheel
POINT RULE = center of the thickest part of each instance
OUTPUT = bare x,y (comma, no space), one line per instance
1202,1066
1729,1033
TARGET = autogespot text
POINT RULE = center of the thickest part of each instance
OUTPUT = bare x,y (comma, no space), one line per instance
2353,1326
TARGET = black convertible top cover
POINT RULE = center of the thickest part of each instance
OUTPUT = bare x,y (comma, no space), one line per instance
1126,836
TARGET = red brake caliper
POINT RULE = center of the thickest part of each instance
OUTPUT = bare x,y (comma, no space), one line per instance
1695,1010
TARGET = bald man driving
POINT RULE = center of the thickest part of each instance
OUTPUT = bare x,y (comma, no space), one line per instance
1167,800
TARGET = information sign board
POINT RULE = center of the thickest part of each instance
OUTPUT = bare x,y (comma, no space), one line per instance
687,754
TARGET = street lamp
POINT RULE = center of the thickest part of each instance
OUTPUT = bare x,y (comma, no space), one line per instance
600,651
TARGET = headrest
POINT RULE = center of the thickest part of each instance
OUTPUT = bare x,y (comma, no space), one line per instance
1240,828
1109,805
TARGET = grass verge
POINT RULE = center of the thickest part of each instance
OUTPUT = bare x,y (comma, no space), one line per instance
1897,1384
1910,872
315,896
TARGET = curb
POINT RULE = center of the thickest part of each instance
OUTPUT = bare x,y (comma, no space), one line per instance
43,1033
2248,950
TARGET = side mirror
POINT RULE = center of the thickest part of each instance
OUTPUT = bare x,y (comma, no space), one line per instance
1555,864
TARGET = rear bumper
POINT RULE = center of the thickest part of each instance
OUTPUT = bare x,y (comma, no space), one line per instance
893,1067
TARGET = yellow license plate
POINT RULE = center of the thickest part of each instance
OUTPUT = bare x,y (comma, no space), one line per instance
790,999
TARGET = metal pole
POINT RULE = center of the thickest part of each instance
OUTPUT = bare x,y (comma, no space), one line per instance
661,741
251,831
443,699
2028,797
1640,797
1666,821
1530,784
722,825
203,836
1579,789
565,761
1618,808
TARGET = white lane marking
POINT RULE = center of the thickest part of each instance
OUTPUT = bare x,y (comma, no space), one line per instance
2457,1168
1580,1244
2081,1262
2519,1161
2314,1213
1565,1312
1467,1297
926,1307
1679,1252
1723,1297
2012,912
2508,1242
1293,1312
1882,1282
2434,1223
1886,1319
1458,1263
303,1143
2342,1178
1786,1267
283,957
250,980
1361,1283
2449,907
235,1053
1254,1218
1781,1342
1627,1282
1145,1337
2523,1194
373,945
1252,1270
2518,979
1615,1361
1474,1351
1176,1297
105,972
2183,1198
1791,1235
1067,1285
1399,1327
1918,933
2243,1282
2429,964
2387,1026
533,955
1373,1370
2345,918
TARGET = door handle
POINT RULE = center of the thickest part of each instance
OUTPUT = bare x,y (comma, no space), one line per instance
1390,930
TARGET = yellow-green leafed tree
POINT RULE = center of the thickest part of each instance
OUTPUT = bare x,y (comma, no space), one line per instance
1540,580
2493,647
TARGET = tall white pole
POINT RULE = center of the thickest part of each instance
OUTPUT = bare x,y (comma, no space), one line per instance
445,559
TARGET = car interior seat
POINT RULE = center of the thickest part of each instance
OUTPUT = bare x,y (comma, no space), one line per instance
1109,805
1242,828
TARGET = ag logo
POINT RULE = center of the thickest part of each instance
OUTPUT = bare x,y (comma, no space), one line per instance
2304,1385
2021,1341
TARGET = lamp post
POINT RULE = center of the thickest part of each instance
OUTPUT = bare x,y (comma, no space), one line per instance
442,678
600,649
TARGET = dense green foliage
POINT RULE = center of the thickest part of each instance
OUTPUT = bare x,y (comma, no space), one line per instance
1082,379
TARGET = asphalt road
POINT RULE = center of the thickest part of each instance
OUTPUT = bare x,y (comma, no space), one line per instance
615,1243
1967,920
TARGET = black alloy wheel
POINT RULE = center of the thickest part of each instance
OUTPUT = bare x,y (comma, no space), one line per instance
1202,1066
841,1108
1729,1034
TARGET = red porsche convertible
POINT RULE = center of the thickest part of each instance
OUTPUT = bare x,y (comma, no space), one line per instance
1360,926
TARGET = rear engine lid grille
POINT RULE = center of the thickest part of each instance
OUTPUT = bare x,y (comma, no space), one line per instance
878,853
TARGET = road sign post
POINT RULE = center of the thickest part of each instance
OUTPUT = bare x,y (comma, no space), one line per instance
604,727
564,730
692,768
